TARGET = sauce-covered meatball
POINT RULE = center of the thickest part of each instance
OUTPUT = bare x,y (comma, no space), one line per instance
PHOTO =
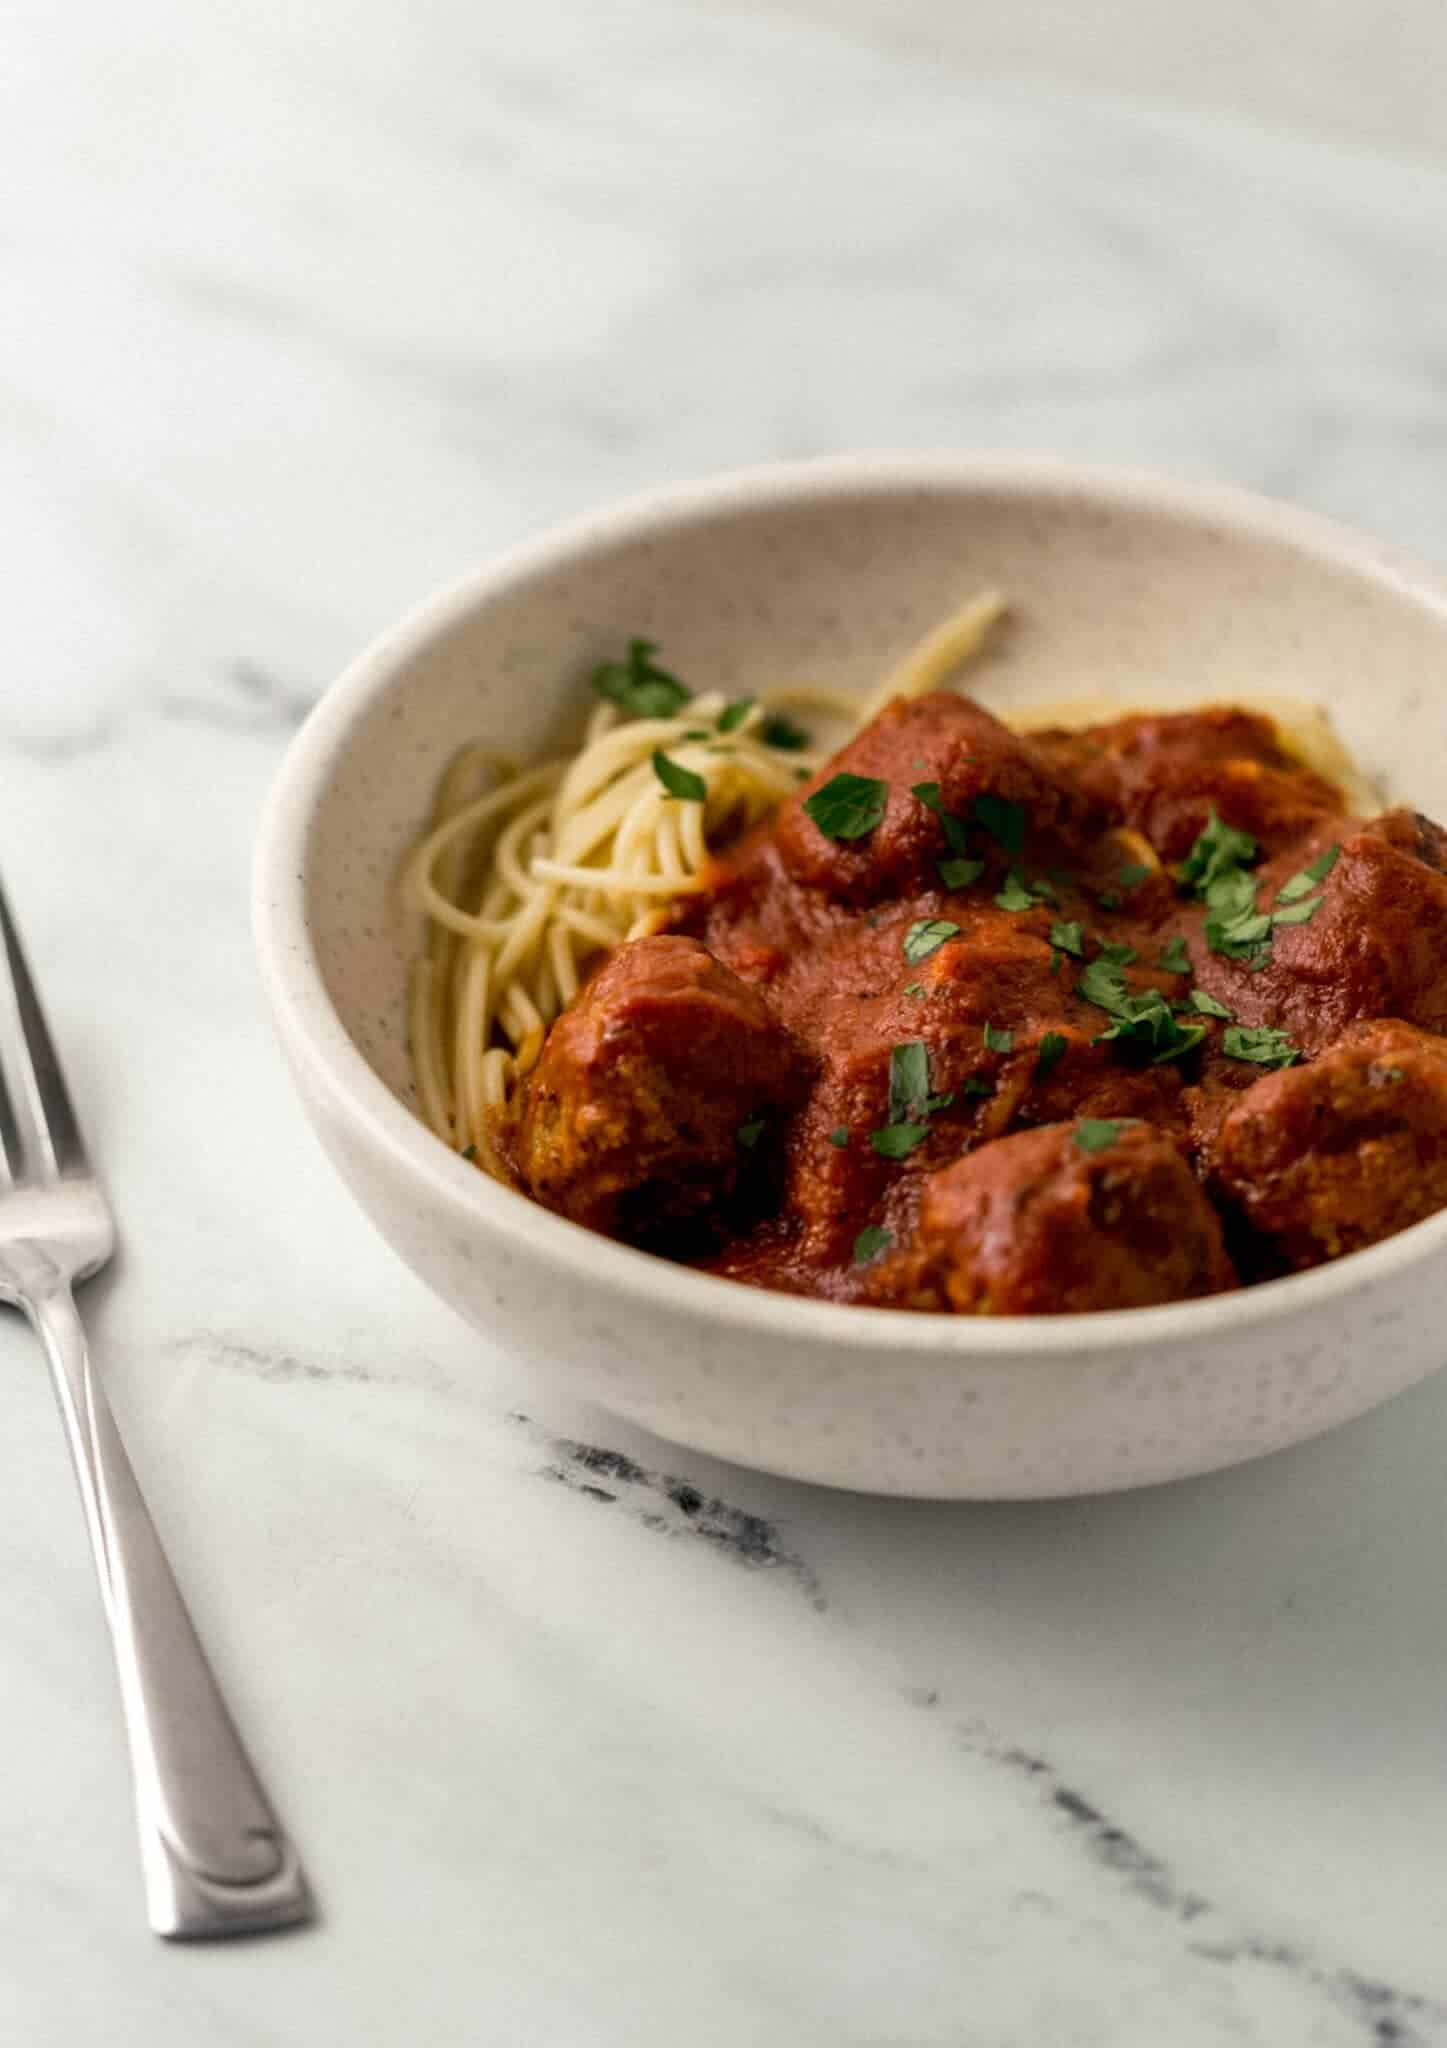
1067,1218
1327,1158
998,790
641,1111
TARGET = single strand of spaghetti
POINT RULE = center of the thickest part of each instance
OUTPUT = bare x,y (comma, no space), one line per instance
949,646
497,1071
428,1062
513,853
587,925
693,840
576,833
417,876
612,882
470,1037
564,960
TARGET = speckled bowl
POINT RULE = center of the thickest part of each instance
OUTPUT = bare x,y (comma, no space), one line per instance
1130,585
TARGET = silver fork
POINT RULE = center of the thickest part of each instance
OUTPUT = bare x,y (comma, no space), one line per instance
214,1856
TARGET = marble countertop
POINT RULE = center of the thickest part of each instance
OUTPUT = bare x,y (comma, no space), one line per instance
587,1741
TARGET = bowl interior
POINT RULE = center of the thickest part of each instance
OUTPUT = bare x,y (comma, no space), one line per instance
1123,587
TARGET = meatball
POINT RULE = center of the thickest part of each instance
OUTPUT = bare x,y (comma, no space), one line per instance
996,788
1376,946
1068,1218
1164,773
631,1121
1330,1157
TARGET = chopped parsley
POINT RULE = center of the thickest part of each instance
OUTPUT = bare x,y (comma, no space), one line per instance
1145,1022
897,1141
1099,1133
678,781
1051,1052
637,684
1174,957
1017,893
1110,900
782,733
848,806
1208,1005
469,1152
1302,883
1069,937
839,1136
1219,850
998,1041
1298,913
977,1085
750,1133
959,874
1133,874
1118,955
925,936
1390,1073
1002,819
870,1243
1263,1048
914,988
733,715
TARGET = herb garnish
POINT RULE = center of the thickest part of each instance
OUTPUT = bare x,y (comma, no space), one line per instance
870,1243
959,874
1133,874
1302,883
925,936
677,780
914,988
1017,894
750,1133
910,1101
897,1141
1263,1048
638,685
1001,818
930,796
733,715
839,1136
1144,1022
1069,937
1174,957
1215,868
848,806
1050,1053
469,1152
1219,850
1118,955
1208,1005
1298,913
1098,1133
998,1041
977,1085
782,733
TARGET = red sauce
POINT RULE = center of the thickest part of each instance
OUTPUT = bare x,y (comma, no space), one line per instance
855,1073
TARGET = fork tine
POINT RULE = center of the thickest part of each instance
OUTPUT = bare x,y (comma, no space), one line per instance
12,1148
44,1082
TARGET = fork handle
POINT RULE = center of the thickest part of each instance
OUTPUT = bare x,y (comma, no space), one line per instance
215,1858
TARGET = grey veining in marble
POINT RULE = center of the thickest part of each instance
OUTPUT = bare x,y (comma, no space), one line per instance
585,1740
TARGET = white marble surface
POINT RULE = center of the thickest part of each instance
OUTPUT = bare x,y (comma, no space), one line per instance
306,308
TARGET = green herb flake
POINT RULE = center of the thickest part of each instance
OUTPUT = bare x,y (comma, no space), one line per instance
1263,1048
678,781
1174,957
848,806
1219,850
778,731
1208,1005
959,874
1302,883
733,715
1390,1073
839,1136
1144,1023
1098,1133
1016,894
977,1085
1002,819
925,936
1110,900
908,1081
998,1041
1069,937
638,685
1133,874
1103,985
750,1133
915,988
1050,1053
1118,955
930,796
1298,913
870,1243
897,1141
468,1152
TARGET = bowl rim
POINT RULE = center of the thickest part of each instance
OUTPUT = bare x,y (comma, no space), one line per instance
313,1033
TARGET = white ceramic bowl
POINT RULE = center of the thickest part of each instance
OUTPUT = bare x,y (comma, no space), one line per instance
1128,584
